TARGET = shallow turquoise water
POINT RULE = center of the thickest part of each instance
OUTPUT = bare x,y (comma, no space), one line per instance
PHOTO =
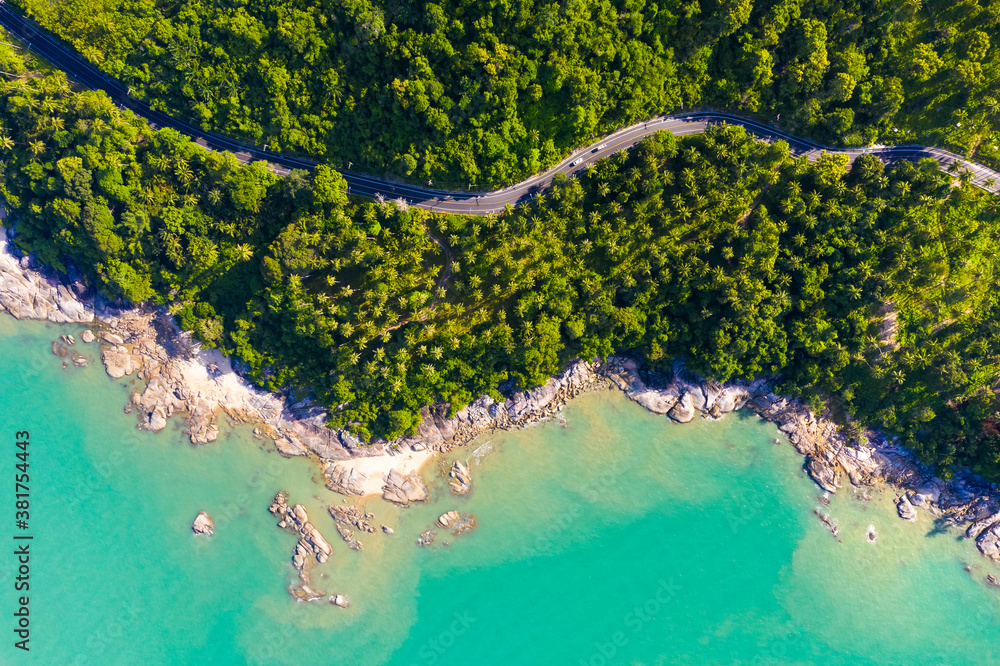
616,538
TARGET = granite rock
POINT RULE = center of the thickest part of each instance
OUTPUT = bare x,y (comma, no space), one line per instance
404,489
203,524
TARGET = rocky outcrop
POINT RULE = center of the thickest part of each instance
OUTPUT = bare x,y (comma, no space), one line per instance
311,545
344,480
118,361
824,473
457,523
404,490
683,410
112,339
30,291
346,517
461,483
905,509
438,431
865,457
447,519
352,516
988,541
197,384
203,524
339,600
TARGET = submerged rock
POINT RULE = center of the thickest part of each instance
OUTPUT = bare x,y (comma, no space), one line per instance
404,489
872,534
993,580
827,522
203,524
305,593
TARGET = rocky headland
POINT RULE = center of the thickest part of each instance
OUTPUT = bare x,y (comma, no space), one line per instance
181,379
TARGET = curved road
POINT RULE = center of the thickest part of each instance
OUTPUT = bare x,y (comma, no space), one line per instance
65,58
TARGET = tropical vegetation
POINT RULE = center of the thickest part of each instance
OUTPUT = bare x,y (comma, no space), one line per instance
870,290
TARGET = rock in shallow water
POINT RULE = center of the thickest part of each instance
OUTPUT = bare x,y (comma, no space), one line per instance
825,475
295,519
683,411
447,519
905,509
305,593
87,336
872,534
462,483
203,524
988,542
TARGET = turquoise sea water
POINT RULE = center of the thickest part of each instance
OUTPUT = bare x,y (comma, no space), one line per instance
615,538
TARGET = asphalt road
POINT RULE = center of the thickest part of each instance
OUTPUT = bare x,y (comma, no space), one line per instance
65,58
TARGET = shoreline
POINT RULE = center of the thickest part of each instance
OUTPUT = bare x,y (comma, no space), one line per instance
182,379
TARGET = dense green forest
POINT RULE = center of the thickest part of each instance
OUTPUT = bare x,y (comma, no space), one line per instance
488,91
716,248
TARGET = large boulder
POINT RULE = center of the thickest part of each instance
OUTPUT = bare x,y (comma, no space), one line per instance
118,361
345,480
683,410
448,518
988,542
730,398
658,402
112,338
826,475
404,489
529,402
905,509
